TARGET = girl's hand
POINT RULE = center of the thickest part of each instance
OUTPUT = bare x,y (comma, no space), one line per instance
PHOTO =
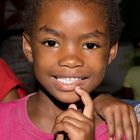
120,117
75,124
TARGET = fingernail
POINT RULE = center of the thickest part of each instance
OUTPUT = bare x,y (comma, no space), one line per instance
59,137
73,106
77,89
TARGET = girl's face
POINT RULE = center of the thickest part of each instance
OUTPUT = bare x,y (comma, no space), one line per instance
70,46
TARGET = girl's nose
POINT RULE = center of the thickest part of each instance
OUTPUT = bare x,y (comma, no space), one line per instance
71,61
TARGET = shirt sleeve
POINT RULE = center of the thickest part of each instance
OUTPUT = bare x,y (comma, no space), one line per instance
8,81
137,111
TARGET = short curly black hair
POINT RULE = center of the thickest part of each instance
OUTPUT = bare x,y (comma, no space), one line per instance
110,7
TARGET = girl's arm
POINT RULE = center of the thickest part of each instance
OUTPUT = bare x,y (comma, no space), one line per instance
12,95
8,82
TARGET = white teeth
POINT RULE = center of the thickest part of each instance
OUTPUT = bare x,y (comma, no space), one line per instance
68,80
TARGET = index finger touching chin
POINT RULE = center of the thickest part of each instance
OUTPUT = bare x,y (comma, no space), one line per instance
87,101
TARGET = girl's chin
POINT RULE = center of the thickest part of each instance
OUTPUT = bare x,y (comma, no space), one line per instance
71,97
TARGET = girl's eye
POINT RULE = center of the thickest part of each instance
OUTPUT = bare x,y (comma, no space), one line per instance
51,43
90,46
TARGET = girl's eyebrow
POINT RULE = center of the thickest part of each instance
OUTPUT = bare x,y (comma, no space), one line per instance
49,30
95,33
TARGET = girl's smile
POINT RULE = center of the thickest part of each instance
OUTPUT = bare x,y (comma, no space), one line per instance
68,84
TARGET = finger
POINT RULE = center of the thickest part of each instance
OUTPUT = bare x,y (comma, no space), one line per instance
109,118
134,122
59,136
73,106
118,125
87,101
71,112
128,131
78,123
70,129
130,123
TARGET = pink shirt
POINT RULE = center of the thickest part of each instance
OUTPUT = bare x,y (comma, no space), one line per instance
16,125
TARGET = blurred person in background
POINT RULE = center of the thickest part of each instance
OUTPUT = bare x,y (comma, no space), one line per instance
11,29
10,86
131,85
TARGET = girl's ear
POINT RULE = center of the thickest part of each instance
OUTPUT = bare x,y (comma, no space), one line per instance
27,49
113,52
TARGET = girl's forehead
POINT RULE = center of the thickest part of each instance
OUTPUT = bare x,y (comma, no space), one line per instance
49,7
71,10
71,19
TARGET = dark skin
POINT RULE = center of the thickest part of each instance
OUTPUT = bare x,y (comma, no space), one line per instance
59,30
12,95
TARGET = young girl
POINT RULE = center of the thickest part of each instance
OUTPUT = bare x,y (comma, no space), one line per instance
81,39
10,86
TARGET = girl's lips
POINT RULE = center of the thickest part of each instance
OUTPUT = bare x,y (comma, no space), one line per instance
67,84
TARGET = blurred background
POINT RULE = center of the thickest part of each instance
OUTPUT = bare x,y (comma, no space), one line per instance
11,29
128,56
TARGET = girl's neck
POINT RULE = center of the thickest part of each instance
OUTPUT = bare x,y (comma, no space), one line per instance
42,112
